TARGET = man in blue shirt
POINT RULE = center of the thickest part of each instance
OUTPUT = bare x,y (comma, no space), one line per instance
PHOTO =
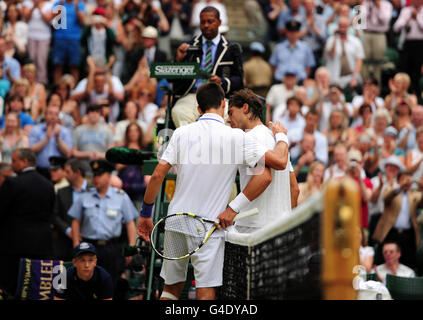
98,216
49,139
295,12
292,54
67,37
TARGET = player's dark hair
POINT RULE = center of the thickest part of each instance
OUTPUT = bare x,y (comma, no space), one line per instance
211,9
209,95
246,96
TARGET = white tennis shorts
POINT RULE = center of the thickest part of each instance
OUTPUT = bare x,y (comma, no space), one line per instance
207,263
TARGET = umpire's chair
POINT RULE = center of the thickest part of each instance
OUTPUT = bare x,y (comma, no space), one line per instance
402,288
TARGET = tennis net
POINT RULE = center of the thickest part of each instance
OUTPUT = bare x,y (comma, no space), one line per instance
279,261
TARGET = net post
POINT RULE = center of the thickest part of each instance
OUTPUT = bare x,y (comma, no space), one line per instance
340,223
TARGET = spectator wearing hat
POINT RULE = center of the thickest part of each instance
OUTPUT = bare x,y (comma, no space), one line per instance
97,39
57,172
389,169
280,92
258,74
295,11
389,146
292,54
85,280
98,216
49,139
91,140
399,218
67,41
75,171
151,51
343,56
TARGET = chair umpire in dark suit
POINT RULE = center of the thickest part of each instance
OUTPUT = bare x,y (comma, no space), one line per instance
26,208
75,170
225,66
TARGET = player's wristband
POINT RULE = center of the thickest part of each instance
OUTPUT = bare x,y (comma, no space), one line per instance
280,136
239,202
146,210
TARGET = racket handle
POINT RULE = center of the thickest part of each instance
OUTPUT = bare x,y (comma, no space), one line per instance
246,214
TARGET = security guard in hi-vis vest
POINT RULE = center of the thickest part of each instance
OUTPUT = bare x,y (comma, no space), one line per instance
99,215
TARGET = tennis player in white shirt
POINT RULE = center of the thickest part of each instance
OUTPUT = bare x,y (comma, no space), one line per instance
245,112
206,154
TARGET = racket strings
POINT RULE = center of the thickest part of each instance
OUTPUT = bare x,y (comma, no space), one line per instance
183,235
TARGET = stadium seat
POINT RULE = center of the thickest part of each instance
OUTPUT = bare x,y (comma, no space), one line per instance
402,288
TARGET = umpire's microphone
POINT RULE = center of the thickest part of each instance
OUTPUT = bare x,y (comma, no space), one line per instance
128,156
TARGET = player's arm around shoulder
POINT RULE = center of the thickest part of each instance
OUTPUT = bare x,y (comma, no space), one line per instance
278,157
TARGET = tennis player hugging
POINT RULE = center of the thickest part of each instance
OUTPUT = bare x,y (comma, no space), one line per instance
207,155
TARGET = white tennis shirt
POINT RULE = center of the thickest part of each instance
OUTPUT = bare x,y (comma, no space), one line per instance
275,201
206,154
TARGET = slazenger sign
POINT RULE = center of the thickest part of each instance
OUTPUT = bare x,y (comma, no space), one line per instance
171,70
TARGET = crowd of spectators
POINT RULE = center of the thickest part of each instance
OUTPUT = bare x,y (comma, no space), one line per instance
346,81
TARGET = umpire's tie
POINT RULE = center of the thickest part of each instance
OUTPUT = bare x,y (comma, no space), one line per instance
208,63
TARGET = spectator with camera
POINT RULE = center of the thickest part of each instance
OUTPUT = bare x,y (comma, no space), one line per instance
344,56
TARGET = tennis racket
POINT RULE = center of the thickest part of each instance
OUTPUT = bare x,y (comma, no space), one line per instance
174,244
